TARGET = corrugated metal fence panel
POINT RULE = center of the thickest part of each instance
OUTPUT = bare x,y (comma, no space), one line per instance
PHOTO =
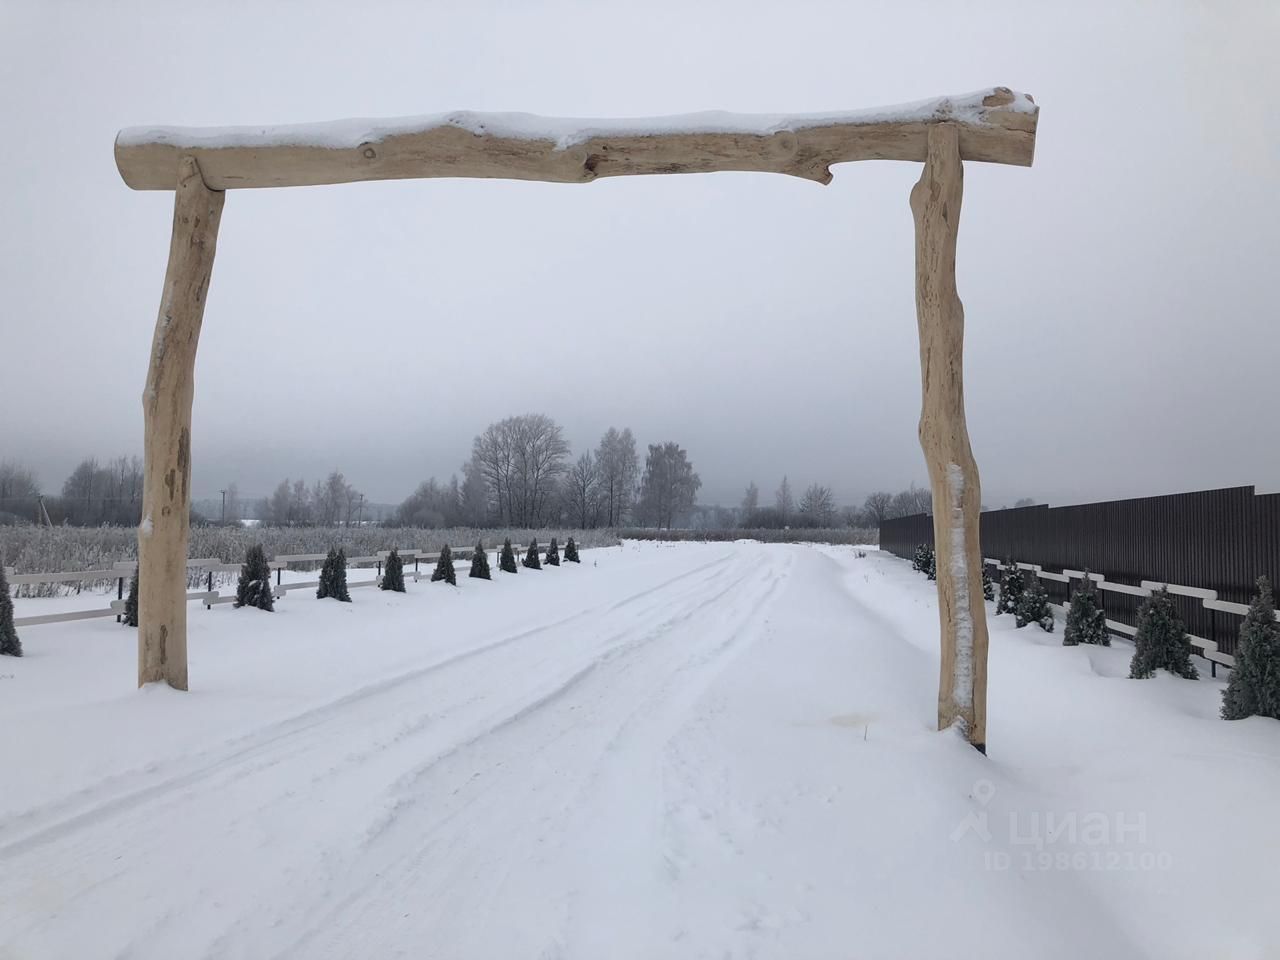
1217,539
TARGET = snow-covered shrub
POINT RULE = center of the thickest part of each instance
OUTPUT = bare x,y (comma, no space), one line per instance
393,573
480,563
1254,687
988,588
507,561
571,552
333,577
1033,607
553,554
1012,585
1161,640
1086,620
444,567
10,645
531,556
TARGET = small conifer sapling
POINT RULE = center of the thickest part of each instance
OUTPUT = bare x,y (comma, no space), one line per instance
531,557
1012,585
1254,687
253,589
1161,640
507,561
1086,620
918,560
553,554
1033,607
393,573
444,567
130,618
333,577
571,552
480,563
10,645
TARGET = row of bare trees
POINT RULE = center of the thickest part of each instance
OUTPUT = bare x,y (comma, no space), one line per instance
328,502
520,471
816,508
95,493
521,474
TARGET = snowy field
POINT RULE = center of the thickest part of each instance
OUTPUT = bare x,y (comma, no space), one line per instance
693,750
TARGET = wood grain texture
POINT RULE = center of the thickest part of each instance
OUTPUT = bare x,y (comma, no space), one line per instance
166,407
1001,129
944,436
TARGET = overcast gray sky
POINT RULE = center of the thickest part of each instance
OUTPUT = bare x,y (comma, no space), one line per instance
1120,295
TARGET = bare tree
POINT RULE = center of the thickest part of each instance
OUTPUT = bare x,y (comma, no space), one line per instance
302,507
750,504
914,500
669,485
784,502
618,465
429,506
333,498
875,509
582,492
474,506
540,455
522,459
19,492
817,506
492,453
231,502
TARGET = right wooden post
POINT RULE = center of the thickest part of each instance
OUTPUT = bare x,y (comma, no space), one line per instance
953,474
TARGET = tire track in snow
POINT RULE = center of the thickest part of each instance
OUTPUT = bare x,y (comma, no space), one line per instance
257,755
536,776
63,817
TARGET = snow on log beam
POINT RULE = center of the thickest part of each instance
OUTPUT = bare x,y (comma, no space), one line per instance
995,125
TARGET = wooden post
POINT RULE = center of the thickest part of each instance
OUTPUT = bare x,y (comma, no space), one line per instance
957,495
166,407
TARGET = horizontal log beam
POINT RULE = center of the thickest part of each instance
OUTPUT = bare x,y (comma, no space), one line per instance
994,126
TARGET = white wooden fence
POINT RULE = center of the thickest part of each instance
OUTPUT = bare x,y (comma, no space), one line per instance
122,572
1209,598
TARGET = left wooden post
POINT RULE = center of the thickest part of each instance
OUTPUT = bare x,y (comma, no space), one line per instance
166,408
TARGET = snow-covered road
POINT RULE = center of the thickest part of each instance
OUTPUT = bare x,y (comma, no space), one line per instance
720,750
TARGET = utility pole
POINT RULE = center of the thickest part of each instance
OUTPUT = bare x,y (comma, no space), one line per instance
360,515
224,506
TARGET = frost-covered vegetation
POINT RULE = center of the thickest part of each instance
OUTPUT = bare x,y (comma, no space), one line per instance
31,549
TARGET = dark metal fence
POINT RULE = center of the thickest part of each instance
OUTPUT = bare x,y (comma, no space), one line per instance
1220,540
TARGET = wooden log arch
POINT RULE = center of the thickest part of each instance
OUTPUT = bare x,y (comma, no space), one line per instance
199,164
